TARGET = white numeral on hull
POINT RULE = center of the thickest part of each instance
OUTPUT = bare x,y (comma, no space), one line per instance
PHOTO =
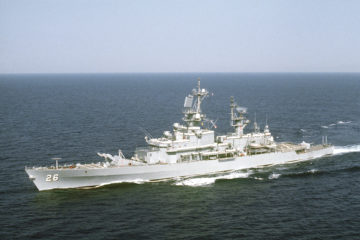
52,178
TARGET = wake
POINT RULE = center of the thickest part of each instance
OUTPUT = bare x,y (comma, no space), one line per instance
337,123
346,149
203,181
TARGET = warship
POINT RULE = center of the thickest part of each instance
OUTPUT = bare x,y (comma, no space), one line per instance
190,149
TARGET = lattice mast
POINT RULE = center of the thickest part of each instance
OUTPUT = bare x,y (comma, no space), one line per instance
238,120
192,110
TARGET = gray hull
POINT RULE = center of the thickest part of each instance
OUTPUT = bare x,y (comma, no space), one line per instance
46,179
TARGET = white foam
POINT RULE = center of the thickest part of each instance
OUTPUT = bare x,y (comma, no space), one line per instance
313,170
137,181
195,182
337,123
237,175
342,122
302,130
274,176
346,149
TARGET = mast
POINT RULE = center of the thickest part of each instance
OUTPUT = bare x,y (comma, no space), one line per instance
238,120
192,111
56,162
198,109
266,129
256,127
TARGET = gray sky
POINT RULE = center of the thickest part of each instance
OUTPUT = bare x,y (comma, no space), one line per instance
59,36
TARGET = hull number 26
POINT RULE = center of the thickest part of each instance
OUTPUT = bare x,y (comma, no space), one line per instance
52,178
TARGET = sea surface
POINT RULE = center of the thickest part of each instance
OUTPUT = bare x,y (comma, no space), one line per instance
74,116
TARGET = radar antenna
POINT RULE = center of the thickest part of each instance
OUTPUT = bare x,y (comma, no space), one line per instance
238,120
192,110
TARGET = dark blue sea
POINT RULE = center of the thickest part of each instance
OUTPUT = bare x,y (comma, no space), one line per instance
74,116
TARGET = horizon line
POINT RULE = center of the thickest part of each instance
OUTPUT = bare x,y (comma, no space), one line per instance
273,72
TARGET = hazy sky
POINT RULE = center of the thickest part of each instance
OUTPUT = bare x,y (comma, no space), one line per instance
70,36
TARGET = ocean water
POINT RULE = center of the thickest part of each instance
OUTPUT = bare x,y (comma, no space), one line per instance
75,116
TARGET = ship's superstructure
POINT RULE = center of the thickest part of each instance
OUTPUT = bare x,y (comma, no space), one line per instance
189,149
186,142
